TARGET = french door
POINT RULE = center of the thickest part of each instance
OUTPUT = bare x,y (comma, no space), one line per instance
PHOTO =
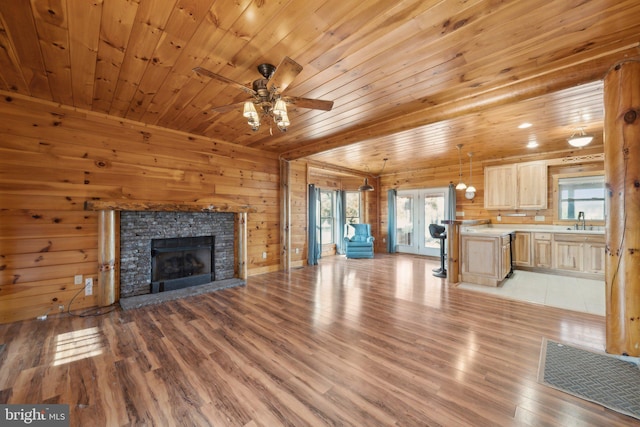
415,210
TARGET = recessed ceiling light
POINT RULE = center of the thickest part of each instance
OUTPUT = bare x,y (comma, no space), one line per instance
532,144
525,125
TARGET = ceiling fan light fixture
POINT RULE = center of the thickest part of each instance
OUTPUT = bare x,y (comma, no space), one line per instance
280,108
579,139
250,111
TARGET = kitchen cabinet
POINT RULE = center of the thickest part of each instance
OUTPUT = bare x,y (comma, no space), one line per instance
567,255
516,186
486,259
500,187
532,185
522,249
505,264
594,257
579,252
542,250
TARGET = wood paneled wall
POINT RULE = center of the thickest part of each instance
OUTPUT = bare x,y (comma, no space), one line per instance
53,159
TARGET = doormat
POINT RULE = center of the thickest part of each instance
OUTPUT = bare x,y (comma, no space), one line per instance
597,377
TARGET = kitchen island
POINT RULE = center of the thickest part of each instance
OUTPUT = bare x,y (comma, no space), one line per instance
485,255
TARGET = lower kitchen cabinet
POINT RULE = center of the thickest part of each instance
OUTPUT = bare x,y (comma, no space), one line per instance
486,260
567,255
583,253
594,257
522,249
542,250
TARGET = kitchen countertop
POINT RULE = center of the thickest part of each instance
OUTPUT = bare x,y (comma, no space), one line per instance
487,231
503,229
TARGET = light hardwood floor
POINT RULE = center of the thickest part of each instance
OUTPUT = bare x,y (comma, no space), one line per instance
376,342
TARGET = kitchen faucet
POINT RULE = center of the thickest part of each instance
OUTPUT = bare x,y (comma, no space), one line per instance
581,218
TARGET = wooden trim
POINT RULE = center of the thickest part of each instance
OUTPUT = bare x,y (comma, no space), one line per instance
241,244
99,205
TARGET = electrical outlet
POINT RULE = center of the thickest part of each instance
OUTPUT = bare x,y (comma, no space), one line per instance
459,213
297,250
77,279
88,286
499,218
264,255
61,308
539,218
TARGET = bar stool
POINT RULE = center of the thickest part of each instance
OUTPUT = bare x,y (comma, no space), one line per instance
439,232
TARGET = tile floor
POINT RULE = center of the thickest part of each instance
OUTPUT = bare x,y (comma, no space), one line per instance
570,293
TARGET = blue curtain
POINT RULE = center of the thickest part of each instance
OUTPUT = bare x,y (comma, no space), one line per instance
314,250
391,231
341,215
450,212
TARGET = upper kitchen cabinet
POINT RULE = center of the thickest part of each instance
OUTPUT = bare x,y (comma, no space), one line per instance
500,187
516,186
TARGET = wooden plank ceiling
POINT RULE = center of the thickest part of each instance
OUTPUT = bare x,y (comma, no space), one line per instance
409,79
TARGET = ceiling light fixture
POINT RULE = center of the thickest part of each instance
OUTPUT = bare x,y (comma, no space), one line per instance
461,185
368,187
579,139
524,125
471,190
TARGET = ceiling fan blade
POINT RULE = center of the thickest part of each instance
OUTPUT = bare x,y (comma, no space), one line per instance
316,104
229,107
207,73
284,75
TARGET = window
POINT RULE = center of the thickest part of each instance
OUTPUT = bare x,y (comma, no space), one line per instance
353,207
326,217
581,194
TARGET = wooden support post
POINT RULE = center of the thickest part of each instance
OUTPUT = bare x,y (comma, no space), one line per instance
241,244
453,251
108,269
285,215
622,180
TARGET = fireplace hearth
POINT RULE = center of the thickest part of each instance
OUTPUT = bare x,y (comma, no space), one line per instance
178,263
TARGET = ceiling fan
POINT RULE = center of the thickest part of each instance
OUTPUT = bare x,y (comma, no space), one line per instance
267,94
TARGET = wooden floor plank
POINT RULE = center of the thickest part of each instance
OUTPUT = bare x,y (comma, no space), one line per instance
348,342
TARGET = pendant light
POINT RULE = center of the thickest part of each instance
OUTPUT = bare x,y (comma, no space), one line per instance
471,190
461,185
366,186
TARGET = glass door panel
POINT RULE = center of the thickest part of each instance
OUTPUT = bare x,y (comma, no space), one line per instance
404,221
433,214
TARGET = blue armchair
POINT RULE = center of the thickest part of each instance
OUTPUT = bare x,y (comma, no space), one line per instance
360,242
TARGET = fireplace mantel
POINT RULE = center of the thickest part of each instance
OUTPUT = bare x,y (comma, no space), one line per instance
127,205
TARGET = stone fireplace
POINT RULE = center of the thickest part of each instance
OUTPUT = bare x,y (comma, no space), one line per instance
161,251
125,231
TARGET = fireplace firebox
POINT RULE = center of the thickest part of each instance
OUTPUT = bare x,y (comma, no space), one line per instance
181,262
